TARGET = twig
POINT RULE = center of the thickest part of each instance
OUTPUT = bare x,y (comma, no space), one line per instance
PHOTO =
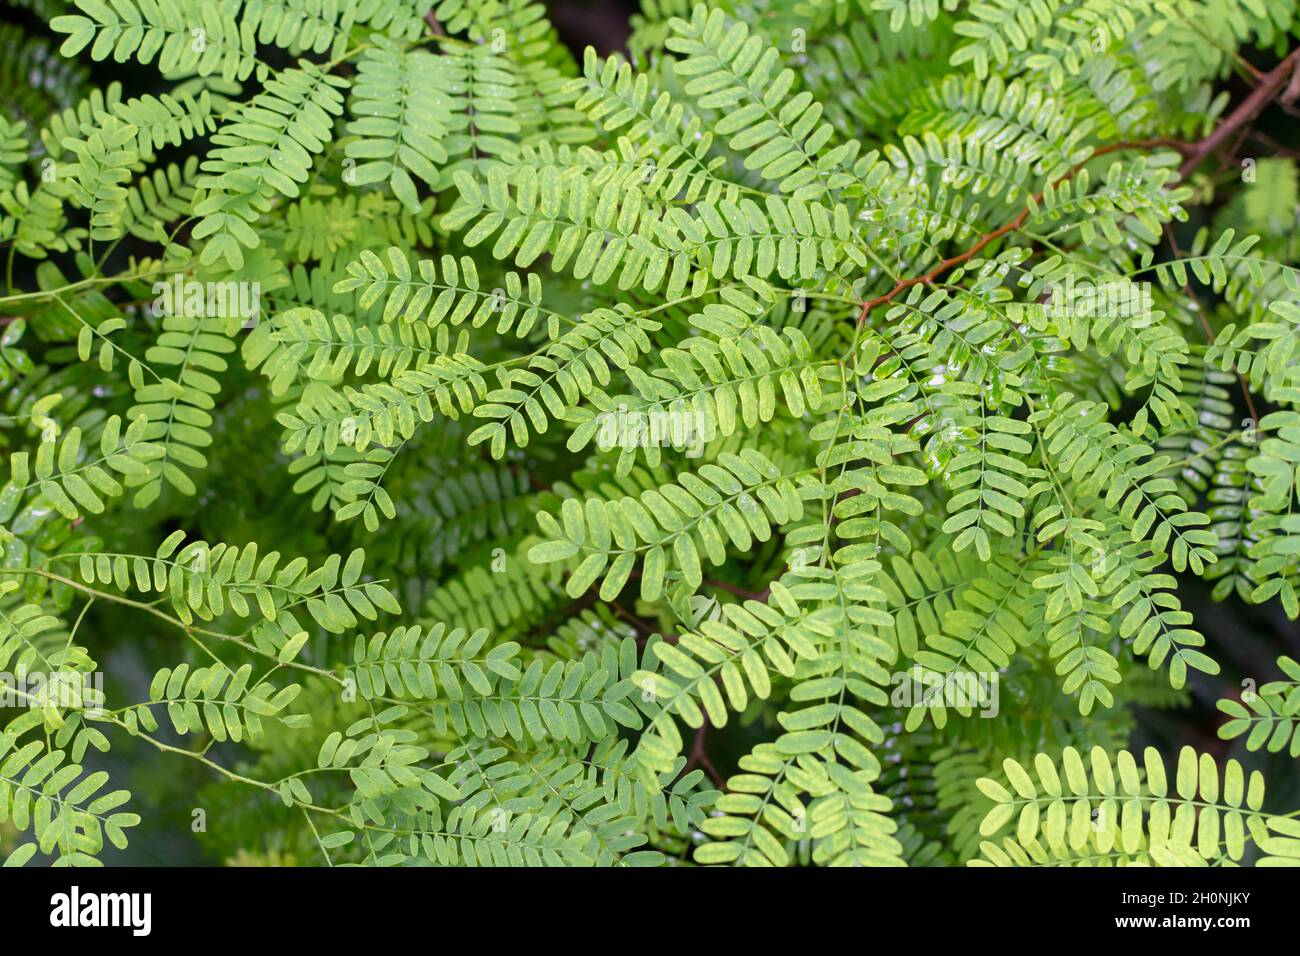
1292,91
1274,145
699,757
1011,226
1270,85
644,629
1205,325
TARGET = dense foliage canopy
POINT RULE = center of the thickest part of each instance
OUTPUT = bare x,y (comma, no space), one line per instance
792,440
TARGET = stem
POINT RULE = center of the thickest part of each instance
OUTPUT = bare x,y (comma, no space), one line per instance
189,629
84,283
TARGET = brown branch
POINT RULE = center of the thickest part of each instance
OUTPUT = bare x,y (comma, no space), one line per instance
1231,158
581,604
699,757
1292,92
943,266
1011,226
1270,85
644,629
1274,145
434,25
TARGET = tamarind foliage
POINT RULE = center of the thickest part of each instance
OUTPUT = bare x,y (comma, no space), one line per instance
795,439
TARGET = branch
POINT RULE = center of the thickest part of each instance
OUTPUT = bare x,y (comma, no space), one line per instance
1270,85
1013,225
699,757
